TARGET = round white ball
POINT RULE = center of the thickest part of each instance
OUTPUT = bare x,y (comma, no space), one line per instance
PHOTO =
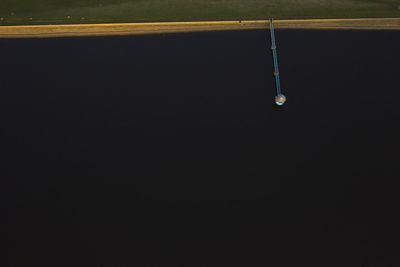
280,99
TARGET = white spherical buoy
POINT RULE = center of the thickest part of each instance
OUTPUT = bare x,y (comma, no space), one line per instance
280,99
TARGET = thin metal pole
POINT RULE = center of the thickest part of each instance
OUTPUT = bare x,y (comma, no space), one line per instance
273,48
280,99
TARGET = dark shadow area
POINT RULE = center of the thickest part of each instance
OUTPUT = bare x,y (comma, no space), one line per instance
168,150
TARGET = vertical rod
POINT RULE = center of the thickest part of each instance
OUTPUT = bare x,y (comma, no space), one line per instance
273,48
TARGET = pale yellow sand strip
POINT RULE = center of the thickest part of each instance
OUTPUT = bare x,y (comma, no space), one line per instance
172,27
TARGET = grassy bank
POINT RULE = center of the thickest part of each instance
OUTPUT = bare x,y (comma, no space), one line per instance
20,12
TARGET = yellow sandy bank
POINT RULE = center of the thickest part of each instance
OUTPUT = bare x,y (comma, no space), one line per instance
172,27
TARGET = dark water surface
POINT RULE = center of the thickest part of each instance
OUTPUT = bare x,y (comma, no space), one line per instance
167,150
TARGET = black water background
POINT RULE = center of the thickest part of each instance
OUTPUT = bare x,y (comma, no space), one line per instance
167,150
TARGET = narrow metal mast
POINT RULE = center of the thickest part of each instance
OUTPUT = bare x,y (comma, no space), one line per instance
280,99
